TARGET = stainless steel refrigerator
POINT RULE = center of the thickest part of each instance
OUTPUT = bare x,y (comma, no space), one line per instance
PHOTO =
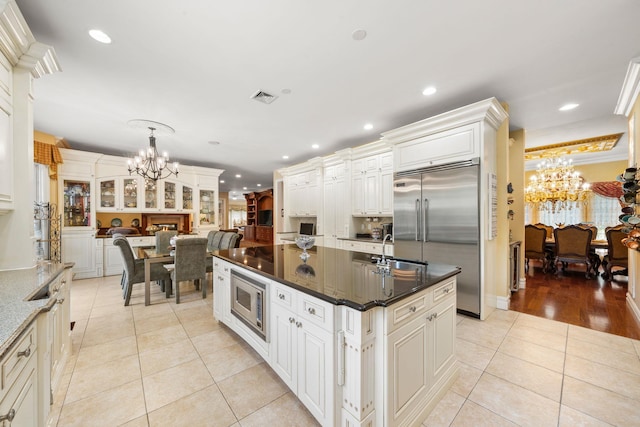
437,219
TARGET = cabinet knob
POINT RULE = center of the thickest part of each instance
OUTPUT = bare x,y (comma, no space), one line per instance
291,320
412,309
311,310
9,417
281,296
299,324
25,353
432,317
61,301
447,290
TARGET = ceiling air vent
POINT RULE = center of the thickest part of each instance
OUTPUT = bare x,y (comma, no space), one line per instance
264,97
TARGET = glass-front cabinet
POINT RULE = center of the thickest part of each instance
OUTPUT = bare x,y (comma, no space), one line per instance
187,198
118,194
150,194
208,207
77,203
170,195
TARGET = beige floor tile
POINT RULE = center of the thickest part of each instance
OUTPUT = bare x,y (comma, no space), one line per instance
95,379
113,310
143,311
102,329
175,383
252,389
194,312
515,403
473,354
215,340
158,321
160,337
503,316
612,379
200,326
603,354
538,336
532,377
472,414
571,418
542,324
599,403
636,345
229,361
110,408
611,341
485,334
445,411
534,353
468,377
204,408
102,353
161,358
138,422
286,411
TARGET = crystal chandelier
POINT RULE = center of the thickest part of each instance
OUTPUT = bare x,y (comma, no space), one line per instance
149,164
556,186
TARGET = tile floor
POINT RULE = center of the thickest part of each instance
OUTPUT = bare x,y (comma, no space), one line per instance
174,365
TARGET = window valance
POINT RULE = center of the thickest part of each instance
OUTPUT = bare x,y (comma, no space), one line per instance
47,154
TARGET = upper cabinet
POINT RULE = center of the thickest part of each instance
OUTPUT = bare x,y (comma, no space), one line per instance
372,185
118,194
207,207
77,203
6,141
303,193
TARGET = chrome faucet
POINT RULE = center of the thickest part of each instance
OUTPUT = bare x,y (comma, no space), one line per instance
383,263
384,259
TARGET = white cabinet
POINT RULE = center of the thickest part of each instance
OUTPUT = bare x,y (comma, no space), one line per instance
59,330
335,211
367,247
19,385
6,140
302,348
112,257
83,249
119,194
303,195
176,196
221,291
372,184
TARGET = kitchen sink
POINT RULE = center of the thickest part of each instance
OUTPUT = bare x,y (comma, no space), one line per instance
408,266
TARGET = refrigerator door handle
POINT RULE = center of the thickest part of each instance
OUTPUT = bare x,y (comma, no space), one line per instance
426,220
417,220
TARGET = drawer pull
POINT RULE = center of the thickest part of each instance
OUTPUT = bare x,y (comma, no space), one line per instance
311,310
281,296
25,353
9,417
61,301
412,309
291,320
299,324
447,290
432,317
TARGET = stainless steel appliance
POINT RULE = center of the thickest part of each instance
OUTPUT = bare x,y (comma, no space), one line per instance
387,228
249,303
437,218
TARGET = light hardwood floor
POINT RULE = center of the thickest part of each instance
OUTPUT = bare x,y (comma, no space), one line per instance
174,365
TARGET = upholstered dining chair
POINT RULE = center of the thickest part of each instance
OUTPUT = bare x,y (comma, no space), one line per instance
549,229
534,246
573,244
163,238
221,239
134,269
189,264
617,253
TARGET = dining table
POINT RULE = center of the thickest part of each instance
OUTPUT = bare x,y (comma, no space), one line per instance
151,256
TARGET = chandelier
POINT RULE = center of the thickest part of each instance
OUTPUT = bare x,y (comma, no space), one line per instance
556,186
149,164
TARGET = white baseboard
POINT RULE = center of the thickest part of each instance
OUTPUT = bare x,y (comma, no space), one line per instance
502,303
633,306
523,283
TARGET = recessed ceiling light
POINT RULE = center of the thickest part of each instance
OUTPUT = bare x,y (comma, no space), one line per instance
222,181
368,126
429,91
244,188
286,91
358,35
100,36
315,146
238,175
285,157
233,198
567,107
259,185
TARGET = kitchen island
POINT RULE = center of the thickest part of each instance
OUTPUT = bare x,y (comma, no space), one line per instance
358,344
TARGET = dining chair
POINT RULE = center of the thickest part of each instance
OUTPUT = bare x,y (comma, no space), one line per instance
549,229
535,246
163,238
189,264
595,258
134,269
617,253
573,244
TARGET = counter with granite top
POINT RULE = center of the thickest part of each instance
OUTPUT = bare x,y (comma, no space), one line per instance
17,287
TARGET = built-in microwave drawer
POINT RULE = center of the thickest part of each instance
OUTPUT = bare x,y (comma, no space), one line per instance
18,357
442,291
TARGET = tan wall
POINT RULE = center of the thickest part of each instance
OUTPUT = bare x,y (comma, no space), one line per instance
634,160
517,178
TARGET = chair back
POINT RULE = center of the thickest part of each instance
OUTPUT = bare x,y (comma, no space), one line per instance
191,259
162,240
213,240
549,229
573,241
617,252
230,241
534,240
127,255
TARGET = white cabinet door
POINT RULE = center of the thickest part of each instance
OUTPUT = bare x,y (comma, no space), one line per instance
358,195
113,264
371,193
283,348
80,249
442,336
386,193
314,347
221,291
21,401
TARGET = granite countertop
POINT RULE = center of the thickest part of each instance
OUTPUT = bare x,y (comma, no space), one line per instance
337,276
16,287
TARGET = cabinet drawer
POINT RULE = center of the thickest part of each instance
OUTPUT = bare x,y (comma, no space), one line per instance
316,311
18,357
442,291
407,311
142,241
283,295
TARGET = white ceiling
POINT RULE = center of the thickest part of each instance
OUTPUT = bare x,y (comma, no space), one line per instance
194,65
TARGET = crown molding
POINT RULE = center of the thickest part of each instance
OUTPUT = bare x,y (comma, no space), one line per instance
20,47
489,111
630,88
